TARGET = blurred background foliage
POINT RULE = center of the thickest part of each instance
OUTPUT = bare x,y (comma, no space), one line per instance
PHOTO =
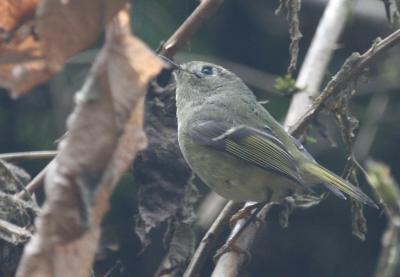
249,39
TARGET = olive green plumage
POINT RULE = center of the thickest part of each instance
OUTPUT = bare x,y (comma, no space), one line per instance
236,147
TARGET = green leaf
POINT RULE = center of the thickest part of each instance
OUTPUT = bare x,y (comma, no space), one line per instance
286,85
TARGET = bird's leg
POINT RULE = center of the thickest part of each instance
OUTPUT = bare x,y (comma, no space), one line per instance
245,212
249,213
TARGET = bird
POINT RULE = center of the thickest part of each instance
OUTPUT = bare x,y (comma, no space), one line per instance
235,146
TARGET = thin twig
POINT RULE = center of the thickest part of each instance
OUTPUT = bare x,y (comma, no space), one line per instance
15,233
209,239
293,9
209,209
313,69
230,263
388,191
387,4
183,34
373,116
114,267
31,155
36,183
310,78
350,71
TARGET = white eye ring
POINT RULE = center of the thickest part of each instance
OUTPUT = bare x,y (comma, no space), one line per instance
207,70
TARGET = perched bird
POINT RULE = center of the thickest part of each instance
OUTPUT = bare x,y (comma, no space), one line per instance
237,148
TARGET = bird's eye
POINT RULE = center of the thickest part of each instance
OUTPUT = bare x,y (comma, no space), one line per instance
207,70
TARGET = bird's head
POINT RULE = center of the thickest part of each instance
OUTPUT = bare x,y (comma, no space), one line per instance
198,80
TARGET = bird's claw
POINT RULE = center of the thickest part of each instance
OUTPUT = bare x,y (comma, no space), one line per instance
230,247
246,212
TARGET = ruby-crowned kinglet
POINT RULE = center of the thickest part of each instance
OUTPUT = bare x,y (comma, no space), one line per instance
236,147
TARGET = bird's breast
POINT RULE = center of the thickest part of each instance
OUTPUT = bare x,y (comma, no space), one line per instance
232,178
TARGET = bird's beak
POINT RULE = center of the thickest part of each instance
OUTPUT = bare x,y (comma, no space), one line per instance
176,67
171,63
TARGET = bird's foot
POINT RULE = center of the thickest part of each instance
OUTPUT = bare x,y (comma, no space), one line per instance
231,247
245,213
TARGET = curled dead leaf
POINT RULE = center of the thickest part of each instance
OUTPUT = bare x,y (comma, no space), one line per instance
39,45
15,13
105,134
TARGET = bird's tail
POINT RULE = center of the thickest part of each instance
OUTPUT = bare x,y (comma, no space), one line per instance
334,183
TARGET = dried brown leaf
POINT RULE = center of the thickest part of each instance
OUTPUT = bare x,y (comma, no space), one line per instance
66,27
15,12
20,55
39,48
105,133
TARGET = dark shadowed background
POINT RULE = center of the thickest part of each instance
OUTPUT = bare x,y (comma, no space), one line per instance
246,37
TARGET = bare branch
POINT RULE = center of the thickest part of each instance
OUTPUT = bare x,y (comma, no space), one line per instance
353,67
208,210
293,8
35,183
189,27
32,155
15,233
208,242
392,11
321,50
17,218
373,116
230,263
388,191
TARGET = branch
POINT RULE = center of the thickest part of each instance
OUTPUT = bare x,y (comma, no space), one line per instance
314,67
32,155
388,191
183,34
210,238
35,183
392,12
17,216
310,78
208,210
353,67
15,233
293,8
230,263
374,114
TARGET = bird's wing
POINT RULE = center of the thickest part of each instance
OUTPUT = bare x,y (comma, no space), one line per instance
256,146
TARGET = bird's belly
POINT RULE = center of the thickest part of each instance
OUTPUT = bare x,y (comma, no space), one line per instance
235,179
